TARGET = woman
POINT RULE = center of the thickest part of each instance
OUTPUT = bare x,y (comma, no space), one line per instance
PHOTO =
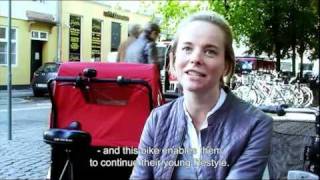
222,136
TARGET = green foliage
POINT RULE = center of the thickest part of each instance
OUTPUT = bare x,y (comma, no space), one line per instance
172,12
274,27
244,16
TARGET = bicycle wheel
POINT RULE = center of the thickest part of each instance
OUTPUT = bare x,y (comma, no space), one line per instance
307,96
298,96
247,94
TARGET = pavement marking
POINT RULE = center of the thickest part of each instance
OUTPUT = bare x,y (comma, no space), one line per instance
26,109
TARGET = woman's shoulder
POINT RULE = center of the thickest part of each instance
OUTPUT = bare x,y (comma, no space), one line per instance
165,117
246,111
166,114
245,120
169,107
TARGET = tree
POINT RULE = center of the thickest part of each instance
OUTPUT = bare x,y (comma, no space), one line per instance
275,27
306,29
244,16
315,47
172,12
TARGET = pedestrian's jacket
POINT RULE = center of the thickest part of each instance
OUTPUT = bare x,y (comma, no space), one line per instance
142,50
122,48
240,131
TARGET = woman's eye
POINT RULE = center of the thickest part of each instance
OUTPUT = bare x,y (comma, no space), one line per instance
210,52
187,49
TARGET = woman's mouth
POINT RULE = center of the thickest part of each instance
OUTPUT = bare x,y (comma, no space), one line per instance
195,73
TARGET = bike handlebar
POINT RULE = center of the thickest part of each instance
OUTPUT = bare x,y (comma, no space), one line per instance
279,110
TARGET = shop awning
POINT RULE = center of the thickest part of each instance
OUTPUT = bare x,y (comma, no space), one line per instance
40,17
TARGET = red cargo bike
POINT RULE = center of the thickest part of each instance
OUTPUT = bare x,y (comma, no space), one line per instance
98,114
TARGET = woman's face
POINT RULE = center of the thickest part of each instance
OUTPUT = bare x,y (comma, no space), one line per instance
200,57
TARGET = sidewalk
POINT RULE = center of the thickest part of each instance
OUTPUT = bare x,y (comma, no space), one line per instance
16,93
18,96
26,156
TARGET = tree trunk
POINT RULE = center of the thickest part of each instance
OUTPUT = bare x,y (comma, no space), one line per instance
301,65
293,20
275,34
294,59
278,64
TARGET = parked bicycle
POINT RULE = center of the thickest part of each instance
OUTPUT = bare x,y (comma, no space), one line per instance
270,89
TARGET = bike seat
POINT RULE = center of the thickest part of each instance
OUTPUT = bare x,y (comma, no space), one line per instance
66,137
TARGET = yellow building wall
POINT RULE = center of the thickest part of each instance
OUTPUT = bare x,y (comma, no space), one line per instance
20,74
21,70
88,11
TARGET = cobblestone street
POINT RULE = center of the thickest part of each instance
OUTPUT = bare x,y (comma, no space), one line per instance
26,156
24,159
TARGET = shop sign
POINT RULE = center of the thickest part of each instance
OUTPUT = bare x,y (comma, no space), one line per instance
115,15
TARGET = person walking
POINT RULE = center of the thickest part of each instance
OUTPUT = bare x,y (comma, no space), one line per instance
134,32
144,50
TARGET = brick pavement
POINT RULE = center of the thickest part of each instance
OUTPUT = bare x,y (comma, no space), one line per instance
26,156
24,159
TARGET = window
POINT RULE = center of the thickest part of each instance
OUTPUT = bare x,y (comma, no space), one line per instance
96,40
38,35
115,36
4,45
75,38
34,35
43,35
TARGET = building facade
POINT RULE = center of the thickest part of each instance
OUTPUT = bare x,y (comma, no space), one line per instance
93,35
34,35
47,31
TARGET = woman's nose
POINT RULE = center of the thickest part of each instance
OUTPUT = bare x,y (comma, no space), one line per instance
196,57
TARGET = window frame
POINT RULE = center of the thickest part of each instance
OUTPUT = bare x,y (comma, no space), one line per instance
39,35
14,62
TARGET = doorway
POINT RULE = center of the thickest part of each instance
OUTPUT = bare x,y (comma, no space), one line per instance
36,56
